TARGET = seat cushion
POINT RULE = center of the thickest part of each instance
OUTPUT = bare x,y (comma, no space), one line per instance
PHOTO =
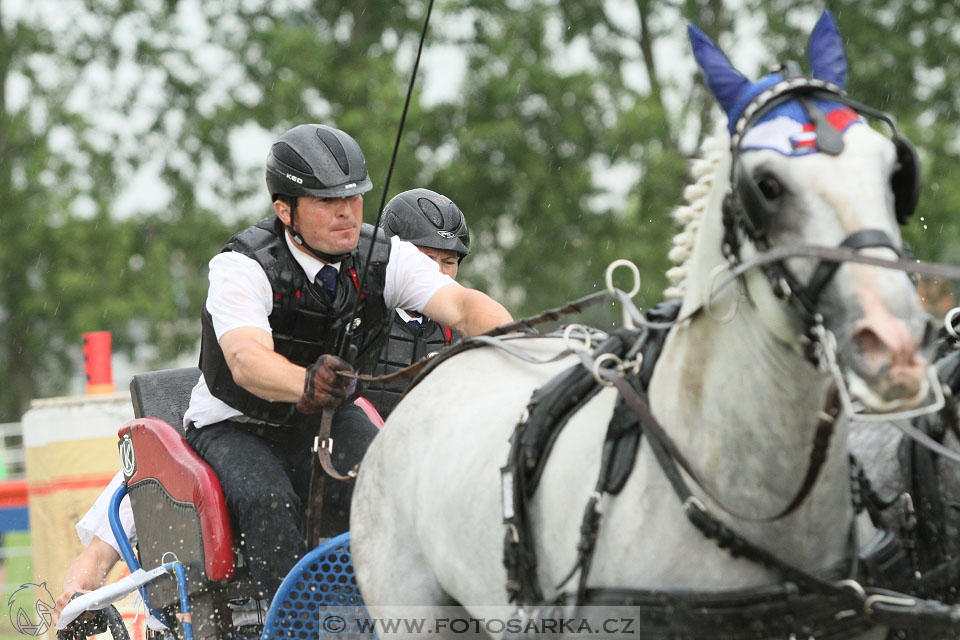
158,459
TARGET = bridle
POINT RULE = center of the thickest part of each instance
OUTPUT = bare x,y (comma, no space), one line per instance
747,213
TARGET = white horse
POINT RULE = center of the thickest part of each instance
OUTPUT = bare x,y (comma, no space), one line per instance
734,387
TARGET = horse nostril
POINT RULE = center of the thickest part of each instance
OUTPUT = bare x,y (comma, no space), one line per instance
870,347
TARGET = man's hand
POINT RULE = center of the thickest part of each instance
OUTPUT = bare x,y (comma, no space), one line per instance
322,387
62,601
86,572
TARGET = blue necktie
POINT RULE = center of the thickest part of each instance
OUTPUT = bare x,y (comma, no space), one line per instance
417,326
327,279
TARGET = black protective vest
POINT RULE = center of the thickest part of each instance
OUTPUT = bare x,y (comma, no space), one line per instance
305,323
403,348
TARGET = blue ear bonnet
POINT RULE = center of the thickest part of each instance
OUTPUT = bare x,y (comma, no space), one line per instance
734,91
750,92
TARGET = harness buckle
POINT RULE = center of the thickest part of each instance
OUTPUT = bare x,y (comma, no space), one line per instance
895,601
323,445
853,586
597,497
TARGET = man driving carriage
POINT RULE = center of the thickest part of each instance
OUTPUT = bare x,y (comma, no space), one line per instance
417,216
282,294
436,226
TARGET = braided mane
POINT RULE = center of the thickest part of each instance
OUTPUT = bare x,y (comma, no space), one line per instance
703,169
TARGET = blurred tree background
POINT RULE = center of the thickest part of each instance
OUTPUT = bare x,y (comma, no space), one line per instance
132,135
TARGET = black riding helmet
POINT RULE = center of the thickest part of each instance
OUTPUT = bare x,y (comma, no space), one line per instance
315,160
427,219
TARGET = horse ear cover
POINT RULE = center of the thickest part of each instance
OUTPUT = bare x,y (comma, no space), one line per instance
726,84
825,50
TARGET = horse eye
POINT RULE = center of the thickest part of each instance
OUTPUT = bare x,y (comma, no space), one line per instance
770,187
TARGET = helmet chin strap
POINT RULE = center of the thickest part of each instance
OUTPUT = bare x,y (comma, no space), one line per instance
332,258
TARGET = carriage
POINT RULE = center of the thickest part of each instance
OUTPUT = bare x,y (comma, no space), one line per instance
790,539
184,532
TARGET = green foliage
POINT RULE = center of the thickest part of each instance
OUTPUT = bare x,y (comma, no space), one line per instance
71,263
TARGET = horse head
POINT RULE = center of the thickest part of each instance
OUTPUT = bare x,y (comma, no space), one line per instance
806,169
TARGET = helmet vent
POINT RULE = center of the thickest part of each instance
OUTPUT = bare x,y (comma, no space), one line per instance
456,219
329,138
285,154
431,211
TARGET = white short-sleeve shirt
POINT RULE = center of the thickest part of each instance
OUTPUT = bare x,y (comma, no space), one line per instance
240,296
96,521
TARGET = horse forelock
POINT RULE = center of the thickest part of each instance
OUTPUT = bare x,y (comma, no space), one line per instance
703,169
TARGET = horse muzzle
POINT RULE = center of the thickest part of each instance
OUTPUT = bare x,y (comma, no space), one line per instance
884,360
887,373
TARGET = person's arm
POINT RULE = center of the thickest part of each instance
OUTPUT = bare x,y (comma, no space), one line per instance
87,572
469,311
259,369
239,302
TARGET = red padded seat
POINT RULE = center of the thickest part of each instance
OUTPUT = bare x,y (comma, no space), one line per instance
163,457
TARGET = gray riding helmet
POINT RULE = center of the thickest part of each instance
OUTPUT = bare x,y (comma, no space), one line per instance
316,160
427,219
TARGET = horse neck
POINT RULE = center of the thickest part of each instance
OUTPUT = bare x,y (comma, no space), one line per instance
743,406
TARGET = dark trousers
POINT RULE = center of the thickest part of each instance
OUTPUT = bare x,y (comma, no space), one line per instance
265,475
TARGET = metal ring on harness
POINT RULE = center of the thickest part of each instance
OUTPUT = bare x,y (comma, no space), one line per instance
608,276
599,361
711,292
567,335
948,322
624,296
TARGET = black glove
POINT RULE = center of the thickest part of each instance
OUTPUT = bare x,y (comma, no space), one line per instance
322,387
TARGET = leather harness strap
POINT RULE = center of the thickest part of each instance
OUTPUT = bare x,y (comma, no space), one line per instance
323,448
654,430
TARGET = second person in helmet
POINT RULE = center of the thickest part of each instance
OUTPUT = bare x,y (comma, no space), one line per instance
437,227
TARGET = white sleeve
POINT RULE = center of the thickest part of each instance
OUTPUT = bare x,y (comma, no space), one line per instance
239,294
96,522
412,278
